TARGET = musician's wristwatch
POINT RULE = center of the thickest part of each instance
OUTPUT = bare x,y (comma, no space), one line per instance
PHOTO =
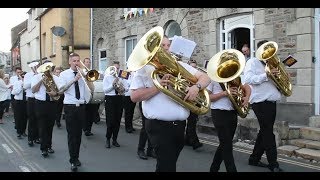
199,86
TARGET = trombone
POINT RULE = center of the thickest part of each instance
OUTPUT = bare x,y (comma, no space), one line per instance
90,75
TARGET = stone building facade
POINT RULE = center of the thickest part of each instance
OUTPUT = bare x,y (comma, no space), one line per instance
215,29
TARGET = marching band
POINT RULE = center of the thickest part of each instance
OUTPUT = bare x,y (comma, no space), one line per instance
154,78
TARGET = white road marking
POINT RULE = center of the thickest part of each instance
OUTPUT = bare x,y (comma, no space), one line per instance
7,148
24,169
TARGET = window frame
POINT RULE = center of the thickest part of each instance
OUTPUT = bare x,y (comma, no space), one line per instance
102,69
130,38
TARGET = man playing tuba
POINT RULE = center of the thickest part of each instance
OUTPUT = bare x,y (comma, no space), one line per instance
165,118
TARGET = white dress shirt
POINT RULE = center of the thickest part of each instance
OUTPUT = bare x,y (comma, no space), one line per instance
262,88
223,103
4,90
27,83
126,84
70,94
17,90
13,79
107,85
160,106
41,94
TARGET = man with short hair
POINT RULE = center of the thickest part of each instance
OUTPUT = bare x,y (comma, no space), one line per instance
246,51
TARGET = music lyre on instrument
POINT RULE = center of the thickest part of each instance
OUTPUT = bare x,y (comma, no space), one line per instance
33,66
149,51
225,68
267,52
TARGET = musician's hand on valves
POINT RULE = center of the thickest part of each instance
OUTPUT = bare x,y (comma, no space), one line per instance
245,101
165,80
233,91
52,93
115,81
192,93
274,71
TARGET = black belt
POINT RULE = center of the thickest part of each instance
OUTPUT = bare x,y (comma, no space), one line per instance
73,105
43,101
168,122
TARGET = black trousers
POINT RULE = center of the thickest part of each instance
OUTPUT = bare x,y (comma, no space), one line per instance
92,111
59,109
21,117
33,127
226,123
167,138
7,105
2,108
74,119
114,108
143,138
191,130
266,115
45,114
128,111
13,108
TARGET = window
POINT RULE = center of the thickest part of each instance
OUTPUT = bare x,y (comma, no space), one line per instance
54,43
102,60
173,28
130,43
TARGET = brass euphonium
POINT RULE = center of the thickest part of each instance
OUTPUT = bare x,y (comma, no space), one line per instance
117,85
225,68
47,79
149,51
267,52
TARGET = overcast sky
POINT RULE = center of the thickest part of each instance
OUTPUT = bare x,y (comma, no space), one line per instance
9,18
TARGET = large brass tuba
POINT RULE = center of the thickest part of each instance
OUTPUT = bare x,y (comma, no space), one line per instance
225,68
149,51
267,53
47,78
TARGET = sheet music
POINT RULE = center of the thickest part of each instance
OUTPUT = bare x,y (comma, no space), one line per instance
181,46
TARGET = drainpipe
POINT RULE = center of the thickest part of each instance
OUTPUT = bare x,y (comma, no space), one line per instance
91,50
71,38
316,59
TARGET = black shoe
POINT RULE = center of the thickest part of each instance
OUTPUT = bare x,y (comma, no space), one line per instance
19,136
108,143
115,143
151,154
142,155
88,133
258,164
37,141
74,167
275,169
30,143
197,145
77,162
133,129
44,153
50,150
59,125
187,142
129,130
24,134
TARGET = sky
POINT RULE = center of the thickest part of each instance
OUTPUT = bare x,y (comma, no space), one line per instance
9,18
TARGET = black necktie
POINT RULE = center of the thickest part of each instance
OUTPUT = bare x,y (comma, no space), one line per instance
76,85
24,95
47,97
